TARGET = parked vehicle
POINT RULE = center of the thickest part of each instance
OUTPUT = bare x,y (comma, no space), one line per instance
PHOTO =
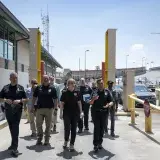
142,92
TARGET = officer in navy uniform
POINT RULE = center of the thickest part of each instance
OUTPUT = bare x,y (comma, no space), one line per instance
85,92
100,102
111,110
13,95
94,91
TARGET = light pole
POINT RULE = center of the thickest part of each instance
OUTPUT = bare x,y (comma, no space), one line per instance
127,60
85,63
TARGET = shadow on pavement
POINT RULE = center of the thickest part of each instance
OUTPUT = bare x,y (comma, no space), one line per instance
85,133
28,138
6,154
101,154
66,154
146,134
110,137
40,148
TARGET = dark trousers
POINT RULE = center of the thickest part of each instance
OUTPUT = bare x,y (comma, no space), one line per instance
99,118
70,125
92,113
110,111
13,117
85,108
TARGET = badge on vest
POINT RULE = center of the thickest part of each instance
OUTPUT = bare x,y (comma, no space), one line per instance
49,90
75,94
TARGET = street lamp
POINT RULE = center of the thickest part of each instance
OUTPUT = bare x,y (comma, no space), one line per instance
127,60
85,62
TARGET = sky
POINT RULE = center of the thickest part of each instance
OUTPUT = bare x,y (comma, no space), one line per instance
79,25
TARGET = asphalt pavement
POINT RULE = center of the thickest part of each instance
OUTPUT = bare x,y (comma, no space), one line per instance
130,143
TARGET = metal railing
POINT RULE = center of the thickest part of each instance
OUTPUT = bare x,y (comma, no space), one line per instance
148,119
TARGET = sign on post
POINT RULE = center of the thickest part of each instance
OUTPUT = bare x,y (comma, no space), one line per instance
146,107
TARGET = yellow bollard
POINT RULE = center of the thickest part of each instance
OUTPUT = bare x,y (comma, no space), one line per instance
132,111
148,123
129,103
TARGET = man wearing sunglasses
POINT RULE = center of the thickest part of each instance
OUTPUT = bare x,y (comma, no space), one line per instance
46,97
85,92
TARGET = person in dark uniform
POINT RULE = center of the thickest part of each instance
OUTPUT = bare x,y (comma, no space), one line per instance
13,95
46,97
94,90
85,92
111,110
100,102
70,111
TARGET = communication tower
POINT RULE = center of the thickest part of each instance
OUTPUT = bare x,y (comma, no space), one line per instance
45,29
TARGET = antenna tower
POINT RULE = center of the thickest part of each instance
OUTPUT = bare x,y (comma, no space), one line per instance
45,32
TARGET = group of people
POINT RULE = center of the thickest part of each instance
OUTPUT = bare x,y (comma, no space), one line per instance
42,102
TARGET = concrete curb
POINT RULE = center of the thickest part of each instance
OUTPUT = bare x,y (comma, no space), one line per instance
3,124
126,114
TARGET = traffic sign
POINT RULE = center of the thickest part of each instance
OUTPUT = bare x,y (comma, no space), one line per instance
146,107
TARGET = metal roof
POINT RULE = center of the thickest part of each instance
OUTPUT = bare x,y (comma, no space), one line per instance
9,18
48,55
12,21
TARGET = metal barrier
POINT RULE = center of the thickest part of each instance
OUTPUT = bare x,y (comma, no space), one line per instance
148,120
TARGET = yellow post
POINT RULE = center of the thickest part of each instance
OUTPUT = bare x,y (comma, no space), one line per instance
132,111
106,59
39,57
148,123
129,103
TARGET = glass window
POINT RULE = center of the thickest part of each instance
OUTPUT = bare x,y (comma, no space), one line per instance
141,89
6,44
10,50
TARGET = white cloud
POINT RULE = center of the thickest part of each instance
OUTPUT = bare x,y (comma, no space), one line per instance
137,47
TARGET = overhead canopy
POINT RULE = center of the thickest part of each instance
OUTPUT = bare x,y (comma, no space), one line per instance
47,55
12,21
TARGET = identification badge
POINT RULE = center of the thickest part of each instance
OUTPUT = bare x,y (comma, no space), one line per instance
49,90
75,94
105,93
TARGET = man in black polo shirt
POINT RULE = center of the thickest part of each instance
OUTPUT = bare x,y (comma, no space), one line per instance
47,100
13,95
100,102
70,111
85,92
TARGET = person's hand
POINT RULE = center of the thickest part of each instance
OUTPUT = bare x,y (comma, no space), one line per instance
106,106
81,115
8,101
16,101
95,98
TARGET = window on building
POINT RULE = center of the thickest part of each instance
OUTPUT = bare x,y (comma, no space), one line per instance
6,43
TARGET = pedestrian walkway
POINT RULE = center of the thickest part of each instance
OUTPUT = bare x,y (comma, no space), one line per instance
131,143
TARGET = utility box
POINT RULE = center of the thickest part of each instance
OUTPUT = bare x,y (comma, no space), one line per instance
128,87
